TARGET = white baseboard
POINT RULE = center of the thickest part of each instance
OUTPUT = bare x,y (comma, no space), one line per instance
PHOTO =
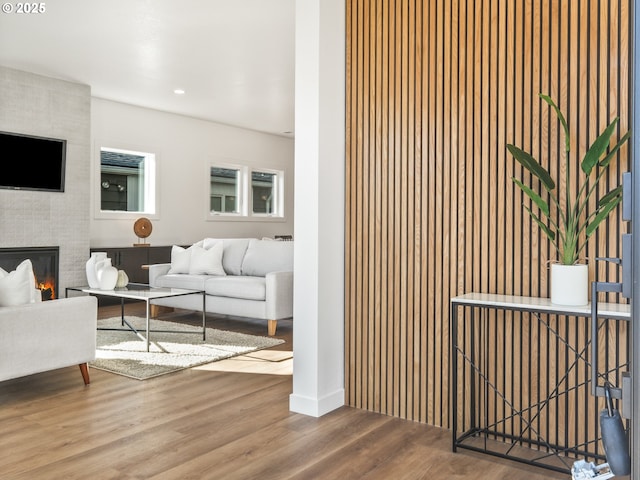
316,407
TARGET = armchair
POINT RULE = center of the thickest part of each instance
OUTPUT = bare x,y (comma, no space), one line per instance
43,336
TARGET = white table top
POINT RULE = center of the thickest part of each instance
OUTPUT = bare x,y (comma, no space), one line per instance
540,304
138,292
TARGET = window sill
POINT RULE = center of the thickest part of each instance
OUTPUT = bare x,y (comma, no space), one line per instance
244,218
122,215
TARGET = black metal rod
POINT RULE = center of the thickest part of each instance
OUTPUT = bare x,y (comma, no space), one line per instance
204,316
454,374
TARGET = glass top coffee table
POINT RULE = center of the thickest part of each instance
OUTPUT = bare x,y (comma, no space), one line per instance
147,294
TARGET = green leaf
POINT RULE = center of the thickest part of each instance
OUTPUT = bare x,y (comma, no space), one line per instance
616,192
543,227
612,152
598,147
532,165
547,98
542,205
604,213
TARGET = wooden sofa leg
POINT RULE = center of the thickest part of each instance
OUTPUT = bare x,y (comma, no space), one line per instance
271,327
156,310
84,369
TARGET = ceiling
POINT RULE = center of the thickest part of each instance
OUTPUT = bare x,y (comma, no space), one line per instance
234,58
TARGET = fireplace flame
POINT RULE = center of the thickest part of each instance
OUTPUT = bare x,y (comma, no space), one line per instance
47,288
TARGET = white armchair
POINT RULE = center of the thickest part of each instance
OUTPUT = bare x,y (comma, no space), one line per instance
44,336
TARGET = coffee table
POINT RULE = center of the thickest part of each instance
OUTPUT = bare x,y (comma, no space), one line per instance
144,293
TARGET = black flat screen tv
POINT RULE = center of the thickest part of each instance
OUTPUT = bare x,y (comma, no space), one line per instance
28,162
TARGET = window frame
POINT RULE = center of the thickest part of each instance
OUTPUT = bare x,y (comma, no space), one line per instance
244,197
278,187
150,181
240,191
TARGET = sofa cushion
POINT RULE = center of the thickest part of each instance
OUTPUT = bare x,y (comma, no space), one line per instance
182,280
234,286
17,287
233,250
264,256
206,262
180,259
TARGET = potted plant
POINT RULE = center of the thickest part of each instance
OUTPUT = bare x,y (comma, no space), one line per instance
569,229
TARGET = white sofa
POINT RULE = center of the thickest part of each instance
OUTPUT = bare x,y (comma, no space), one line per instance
42,336
255,279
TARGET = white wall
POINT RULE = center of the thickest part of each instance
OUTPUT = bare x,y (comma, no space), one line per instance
318,336
47,107
184,147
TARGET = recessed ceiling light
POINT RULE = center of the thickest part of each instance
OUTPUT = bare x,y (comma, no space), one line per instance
179,91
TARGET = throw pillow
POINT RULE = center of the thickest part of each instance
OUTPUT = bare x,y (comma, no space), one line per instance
17,287
180,259
207,262
233,250
207,243
263,257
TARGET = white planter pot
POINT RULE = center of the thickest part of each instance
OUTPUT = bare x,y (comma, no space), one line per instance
569,284
90,268
107,275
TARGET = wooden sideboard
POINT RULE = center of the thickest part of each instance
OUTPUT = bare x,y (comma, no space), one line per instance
132,259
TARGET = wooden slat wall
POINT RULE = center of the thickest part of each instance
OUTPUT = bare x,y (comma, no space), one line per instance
435,91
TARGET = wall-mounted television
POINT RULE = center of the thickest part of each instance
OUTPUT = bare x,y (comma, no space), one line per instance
28,162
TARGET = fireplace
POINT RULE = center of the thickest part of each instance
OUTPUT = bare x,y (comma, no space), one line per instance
45,266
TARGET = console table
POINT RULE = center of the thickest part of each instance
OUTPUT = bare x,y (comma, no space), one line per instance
520,377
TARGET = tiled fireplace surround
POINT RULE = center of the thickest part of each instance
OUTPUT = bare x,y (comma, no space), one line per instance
48,107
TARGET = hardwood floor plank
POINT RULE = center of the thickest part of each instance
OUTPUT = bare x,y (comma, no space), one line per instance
276,450
202,423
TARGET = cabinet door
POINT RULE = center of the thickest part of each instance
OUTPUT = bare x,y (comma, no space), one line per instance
131,261
159,255
112,253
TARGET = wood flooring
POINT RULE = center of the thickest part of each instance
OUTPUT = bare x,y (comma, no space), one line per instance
214,424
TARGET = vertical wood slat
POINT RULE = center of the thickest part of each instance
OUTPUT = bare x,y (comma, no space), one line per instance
435,91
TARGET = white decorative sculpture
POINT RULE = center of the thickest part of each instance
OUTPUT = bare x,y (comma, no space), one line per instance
91,268
123,279
106,274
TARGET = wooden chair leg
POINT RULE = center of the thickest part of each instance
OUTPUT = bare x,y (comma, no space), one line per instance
84,369
271,327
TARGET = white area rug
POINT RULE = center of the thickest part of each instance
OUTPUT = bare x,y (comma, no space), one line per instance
122,352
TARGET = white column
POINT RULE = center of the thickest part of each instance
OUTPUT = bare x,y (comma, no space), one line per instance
318,325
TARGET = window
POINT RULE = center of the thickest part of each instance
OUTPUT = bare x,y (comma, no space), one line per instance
127,181
266,192
224,190
240,192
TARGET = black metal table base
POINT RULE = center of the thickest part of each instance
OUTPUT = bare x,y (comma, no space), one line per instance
518,430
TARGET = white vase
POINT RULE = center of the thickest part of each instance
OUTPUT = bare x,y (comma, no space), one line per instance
90,268
569,284
106,274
